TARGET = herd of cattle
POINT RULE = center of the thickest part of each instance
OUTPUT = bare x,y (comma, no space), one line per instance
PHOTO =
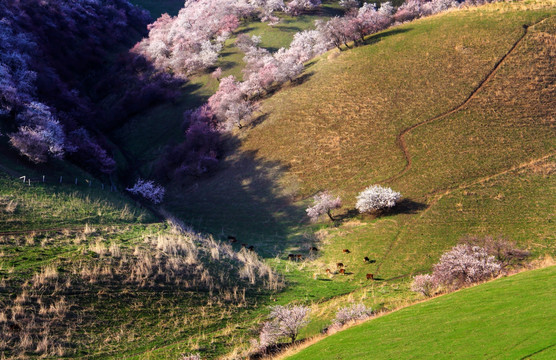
298,257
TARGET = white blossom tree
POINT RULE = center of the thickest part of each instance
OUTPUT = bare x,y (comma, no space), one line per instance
352,313
375,198
323,203
285,321
149,190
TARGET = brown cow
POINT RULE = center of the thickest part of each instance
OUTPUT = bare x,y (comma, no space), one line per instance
299,257
346,251
343,271
370,277
328,271
339,265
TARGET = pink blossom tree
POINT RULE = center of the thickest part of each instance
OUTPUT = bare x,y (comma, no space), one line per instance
323,203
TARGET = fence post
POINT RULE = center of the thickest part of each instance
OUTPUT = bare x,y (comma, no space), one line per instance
60,179
75,181
29,181
43,178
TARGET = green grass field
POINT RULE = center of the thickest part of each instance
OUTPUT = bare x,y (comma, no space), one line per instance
510,318
486,169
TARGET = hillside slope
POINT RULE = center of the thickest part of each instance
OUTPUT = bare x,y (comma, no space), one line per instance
340,130
509,318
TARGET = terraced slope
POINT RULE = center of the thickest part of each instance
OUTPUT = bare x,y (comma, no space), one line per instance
509,318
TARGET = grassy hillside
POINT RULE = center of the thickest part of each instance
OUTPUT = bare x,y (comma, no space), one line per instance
347,118
510,318
146,134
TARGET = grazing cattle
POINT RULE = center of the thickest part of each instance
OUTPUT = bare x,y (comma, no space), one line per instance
343,271
339,265
291,256
251,248
328,271
370,277
346,251
232,239
243,245
314,249
299,257
366,259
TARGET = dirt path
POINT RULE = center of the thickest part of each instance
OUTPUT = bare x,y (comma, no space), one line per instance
400,139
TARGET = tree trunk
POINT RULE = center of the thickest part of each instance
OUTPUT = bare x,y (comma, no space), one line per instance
329,213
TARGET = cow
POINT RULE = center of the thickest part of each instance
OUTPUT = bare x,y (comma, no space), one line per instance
232,239
299,257
343,271
370,277
251,248
339,265
291,256
366,259
243,245
314,249
346,251
328,271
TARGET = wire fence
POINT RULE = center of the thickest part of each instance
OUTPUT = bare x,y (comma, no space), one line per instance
68,180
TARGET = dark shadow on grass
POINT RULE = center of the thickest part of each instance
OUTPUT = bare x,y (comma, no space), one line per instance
373,39
406,206
242,199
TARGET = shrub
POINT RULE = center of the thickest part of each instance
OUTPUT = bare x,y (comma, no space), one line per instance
323,203
425,284
149,190
352,313
504,251
464,265
375,198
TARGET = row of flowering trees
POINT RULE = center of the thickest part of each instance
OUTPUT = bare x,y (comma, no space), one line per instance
182,46
191,41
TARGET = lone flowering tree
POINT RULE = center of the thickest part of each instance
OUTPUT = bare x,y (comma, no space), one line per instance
149,190
323,203
285,321
376,198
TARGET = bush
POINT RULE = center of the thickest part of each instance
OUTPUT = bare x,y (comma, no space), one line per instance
352,313
425,284
149,190
464,265
504,251
375,198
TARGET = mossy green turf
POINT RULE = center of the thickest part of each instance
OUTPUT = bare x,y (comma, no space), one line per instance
510,318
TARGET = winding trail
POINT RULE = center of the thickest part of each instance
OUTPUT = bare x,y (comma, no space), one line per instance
439,194
400,139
